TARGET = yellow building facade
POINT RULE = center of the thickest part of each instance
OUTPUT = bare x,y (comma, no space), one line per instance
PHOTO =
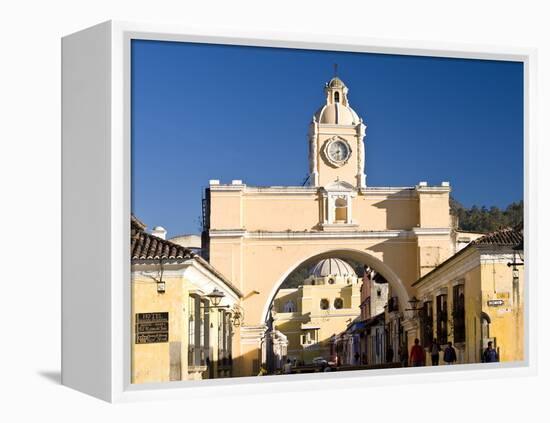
177,331
256,236
313,313
475,297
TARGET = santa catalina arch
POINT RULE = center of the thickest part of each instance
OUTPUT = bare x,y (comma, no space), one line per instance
256,236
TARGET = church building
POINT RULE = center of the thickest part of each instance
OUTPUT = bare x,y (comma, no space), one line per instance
311,314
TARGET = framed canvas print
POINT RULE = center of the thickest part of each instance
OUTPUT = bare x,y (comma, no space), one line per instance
264,212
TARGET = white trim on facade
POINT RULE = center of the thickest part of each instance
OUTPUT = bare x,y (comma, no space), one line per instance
204,280
231,233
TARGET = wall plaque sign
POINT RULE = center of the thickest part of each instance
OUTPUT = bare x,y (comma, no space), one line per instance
151,327
495,303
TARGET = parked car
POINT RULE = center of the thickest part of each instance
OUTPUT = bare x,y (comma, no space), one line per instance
320,361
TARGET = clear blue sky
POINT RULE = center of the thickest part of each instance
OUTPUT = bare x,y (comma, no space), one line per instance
202,112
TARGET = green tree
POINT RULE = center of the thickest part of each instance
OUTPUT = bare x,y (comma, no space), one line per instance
483,219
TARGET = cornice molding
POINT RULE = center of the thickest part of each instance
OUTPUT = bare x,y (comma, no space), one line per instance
431,231
241,233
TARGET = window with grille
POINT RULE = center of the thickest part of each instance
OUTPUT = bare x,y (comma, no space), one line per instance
191,331
441,316
459,326
427,323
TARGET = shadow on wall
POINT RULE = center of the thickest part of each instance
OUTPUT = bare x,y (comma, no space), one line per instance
401,212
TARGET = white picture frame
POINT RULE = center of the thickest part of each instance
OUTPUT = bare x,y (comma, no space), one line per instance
96,331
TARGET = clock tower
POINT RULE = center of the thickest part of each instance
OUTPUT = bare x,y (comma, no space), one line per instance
336,133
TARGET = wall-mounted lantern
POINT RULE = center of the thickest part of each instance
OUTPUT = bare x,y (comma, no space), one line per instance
237,316
161,286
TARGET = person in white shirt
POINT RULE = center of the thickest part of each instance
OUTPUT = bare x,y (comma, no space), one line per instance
287,367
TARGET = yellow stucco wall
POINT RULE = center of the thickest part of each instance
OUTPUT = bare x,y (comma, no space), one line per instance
486,276
371,210
168,361
151,362
507,321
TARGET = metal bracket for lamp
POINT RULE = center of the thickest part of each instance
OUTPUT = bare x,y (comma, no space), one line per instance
161,284
414,301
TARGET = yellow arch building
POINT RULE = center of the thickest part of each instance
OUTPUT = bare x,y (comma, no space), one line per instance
256,236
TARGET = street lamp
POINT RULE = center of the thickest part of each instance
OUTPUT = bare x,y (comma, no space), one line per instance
414,302
515,270
216,296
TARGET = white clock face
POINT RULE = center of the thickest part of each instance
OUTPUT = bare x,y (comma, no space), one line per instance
338,151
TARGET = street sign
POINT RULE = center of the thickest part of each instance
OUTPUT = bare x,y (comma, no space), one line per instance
151,327
495,303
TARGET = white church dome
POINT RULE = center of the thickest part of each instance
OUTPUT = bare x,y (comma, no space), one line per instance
337,114
332,267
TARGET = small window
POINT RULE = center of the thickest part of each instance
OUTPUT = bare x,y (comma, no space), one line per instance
337,97
341,210
331,281
338,303
324,304
379,292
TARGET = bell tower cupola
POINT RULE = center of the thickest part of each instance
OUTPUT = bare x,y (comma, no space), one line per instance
336,135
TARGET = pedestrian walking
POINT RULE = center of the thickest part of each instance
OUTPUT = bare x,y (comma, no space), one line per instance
389,354
417,354
435,352
449,355
490,355
287,367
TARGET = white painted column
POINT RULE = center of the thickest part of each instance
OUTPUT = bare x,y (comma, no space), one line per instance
330,206
348,217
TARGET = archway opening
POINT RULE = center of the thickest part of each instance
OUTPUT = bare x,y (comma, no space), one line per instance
348,312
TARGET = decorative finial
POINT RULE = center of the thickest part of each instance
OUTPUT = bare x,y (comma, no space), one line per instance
336,69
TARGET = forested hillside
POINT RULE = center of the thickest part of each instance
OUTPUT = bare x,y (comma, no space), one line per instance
483,219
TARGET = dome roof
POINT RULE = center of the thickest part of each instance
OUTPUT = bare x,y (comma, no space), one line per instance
336,110
336,83
337,114
332,267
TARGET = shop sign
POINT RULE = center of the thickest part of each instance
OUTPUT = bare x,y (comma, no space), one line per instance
151,327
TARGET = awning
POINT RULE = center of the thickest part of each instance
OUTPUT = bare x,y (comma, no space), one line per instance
357,326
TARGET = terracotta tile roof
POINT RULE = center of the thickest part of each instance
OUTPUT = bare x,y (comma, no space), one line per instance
136,223
504,237
507,237
145,246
